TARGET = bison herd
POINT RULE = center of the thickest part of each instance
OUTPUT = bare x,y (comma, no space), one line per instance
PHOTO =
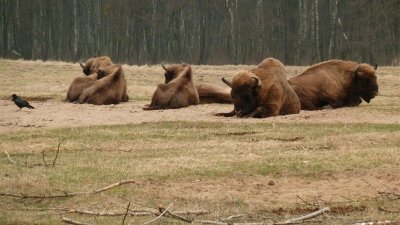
261,92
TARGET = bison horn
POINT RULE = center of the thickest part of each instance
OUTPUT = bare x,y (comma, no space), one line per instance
227,82
257,81
164,67
83,66
356,70
375,66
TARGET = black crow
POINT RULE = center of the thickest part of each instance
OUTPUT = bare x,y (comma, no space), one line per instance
20,102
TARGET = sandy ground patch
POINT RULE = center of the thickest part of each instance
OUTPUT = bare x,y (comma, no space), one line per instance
55,114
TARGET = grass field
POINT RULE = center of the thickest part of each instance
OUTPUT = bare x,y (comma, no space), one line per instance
262,170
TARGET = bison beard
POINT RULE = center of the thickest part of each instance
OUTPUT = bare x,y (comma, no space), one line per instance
335,83
208,93
262,92
177,93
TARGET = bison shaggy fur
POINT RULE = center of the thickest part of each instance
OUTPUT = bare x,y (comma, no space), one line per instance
177,92
335,83
92,65
110,89
208,93
262,92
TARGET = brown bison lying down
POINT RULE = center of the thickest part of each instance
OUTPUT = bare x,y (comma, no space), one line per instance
98,88
90,69
177,92
208,93
262,92
110,89
335,83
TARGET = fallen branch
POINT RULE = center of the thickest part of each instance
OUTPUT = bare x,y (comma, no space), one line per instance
37,164
126,213
305,217
373,223
9,158
70,221
44,160
60,141
66,194
158,217
174,215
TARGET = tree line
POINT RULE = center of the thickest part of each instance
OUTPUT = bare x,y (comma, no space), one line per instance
297,32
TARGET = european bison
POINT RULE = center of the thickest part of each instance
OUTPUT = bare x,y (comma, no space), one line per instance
92,65
335,83
262,92
177,92
107,90
208,93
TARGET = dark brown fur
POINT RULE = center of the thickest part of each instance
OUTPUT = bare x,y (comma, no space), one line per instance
92,65
262,92
108,90
208,93
176,93
335,83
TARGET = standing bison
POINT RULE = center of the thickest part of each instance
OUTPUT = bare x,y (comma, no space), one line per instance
208,93
262,92
335,83
178,90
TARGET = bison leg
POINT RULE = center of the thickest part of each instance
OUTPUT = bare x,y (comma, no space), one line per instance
228,114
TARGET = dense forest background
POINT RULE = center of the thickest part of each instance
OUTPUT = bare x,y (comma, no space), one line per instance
298,32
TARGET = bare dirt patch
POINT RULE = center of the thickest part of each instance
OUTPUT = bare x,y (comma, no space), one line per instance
55,114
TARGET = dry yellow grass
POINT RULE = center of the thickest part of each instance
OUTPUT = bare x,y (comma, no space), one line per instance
266,168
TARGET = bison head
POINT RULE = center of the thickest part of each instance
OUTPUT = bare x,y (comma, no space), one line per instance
172,71
245,87
366,81
86,68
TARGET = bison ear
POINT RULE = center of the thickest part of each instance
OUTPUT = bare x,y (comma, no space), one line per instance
227,82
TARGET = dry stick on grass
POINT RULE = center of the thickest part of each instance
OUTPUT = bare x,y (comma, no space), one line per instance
290,221
66,194
60,141
37,164
70,221
126,213
158,217
305,217
9,159
20,164
392,195
44,161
